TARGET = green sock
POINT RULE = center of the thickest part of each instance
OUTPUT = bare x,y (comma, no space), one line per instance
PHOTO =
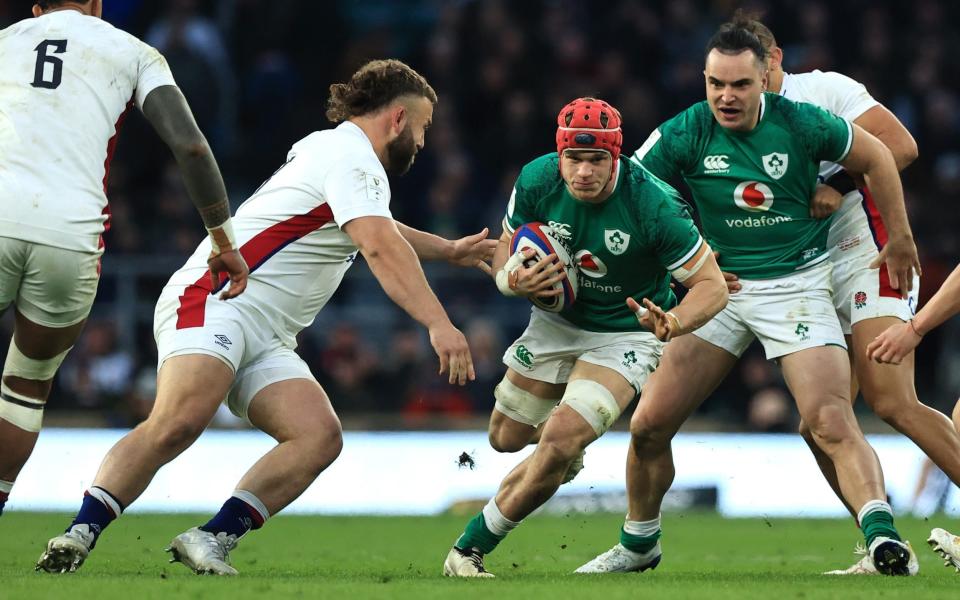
639,543
878,523
478,536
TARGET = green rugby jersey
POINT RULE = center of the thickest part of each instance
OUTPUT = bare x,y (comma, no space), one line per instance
753,188
624,246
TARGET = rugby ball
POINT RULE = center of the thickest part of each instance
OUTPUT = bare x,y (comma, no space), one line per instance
544,241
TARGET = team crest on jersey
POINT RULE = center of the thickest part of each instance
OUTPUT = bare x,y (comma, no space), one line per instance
753,196
616,240
775,164
589,264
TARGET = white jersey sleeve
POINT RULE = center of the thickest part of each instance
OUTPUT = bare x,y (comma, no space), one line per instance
841,95
66,82
356,186
153,72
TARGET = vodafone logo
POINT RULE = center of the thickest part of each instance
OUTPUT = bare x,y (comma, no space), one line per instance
589,264
753,196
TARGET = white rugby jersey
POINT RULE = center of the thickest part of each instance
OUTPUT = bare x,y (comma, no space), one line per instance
290,234
66,83
849,99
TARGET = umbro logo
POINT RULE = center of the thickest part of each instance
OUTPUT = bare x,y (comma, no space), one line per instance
716,163
222,341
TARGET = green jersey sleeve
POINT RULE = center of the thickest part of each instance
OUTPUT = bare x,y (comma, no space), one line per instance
671,149
825,135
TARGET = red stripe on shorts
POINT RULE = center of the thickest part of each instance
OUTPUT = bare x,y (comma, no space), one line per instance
256,251
879,232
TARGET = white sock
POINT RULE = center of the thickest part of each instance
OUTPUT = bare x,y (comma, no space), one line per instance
872,506
498,524
106,499
642,528
5,486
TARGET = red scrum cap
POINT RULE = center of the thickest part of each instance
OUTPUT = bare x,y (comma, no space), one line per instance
589,123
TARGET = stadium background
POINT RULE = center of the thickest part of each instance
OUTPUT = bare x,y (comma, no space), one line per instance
256,74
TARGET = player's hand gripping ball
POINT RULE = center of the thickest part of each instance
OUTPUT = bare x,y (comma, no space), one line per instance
544,241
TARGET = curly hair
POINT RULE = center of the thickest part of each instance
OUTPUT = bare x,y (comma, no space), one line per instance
375,85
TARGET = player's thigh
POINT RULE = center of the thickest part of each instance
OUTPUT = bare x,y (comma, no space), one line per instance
58,286
292,409
542,389
197,365
885,386
819,379
690,369
41,342
279,395
190,388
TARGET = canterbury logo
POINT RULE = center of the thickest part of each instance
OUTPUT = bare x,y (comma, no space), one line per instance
716,162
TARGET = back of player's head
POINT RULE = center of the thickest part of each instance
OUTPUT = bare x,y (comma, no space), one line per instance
590,124
48,4
750,20
733,38
374,86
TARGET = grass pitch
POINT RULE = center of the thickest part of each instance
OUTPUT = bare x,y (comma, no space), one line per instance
705,556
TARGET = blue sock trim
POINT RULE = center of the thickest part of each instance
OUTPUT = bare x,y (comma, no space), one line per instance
234,518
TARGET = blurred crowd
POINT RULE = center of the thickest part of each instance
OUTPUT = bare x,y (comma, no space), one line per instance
256,73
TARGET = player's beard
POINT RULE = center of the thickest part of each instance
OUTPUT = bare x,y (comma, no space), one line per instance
400,152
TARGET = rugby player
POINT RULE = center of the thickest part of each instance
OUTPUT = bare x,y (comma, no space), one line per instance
866,303
301,231
67,80
751,160
574,372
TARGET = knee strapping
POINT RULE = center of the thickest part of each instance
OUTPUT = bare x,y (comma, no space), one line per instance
593,402
520,405
22,411
19,365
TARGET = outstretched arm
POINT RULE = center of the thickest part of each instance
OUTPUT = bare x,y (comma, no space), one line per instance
168,112
470,251
395,265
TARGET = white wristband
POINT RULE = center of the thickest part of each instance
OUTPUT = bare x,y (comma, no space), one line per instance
222,237
503,283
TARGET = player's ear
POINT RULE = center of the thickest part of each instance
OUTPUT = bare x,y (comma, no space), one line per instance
776,57
398,119
36,10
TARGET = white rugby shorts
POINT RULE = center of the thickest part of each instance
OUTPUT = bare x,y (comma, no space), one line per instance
550,346
860,292
787,314
50,286
253,351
